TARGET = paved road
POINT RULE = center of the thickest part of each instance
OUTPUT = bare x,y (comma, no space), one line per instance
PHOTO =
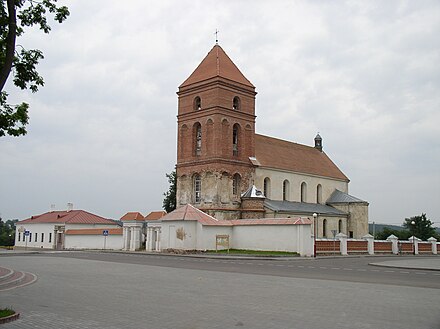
90,290
338,269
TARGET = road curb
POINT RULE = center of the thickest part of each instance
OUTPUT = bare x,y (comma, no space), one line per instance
421,268
10,318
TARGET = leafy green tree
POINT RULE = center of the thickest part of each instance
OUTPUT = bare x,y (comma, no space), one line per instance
170,201
422,227
386,232
15,15
7,232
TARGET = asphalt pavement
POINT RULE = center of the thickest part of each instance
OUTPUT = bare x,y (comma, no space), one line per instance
421,262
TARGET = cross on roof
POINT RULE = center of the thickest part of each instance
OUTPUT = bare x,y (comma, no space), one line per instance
216,36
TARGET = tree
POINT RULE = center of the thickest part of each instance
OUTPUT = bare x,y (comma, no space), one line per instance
15,15
170,201
386,232
7,232
422,227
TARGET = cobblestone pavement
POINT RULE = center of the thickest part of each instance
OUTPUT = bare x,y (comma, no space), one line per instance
78,293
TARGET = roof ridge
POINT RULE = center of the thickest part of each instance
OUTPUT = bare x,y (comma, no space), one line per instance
75,212
285,141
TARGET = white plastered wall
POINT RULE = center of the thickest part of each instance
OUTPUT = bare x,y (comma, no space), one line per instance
179,235
195,236
112,242
207,236
277,178
294,238
38,228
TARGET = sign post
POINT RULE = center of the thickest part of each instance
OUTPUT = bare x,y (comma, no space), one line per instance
223,241
26,234
105,234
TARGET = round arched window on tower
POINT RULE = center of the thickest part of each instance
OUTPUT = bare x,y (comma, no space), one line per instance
197,103
236,103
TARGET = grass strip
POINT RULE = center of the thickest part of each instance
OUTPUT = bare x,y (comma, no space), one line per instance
253,252
5,312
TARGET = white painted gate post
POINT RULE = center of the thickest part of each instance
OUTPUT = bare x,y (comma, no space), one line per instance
415,242
370,240
342,243
433,245
147,244
395,243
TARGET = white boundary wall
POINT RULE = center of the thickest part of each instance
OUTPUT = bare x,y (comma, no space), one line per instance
191,235
113,242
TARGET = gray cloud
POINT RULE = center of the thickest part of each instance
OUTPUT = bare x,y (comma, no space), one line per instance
102,132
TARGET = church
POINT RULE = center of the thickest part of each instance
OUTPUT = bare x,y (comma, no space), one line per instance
230,172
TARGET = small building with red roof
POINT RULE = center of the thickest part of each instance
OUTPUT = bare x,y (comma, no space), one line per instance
138,230
133,230
68,229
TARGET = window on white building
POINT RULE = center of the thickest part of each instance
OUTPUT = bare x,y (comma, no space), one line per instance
266,187
319,193
303,192
286,189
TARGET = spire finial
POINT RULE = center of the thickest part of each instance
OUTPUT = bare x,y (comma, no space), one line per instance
216,36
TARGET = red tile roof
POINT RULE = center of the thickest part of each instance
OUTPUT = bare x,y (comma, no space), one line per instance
70,217
280,154
94,231
263,221
216,64
190,213
133,216
155,215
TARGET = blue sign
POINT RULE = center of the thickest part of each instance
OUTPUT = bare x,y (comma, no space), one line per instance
105,232
27,233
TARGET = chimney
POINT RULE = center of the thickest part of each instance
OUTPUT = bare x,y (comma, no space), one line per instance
69,206
52,207
318,142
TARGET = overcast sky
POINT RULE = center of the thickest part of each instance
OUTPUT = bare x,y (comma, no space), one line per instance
102,132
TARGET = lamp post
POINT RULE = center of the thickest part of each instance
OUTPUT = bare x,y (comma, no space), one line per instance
413,226
315,224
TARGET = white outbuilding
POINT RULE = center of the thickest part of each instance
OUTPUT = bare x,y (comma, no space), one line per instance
69,229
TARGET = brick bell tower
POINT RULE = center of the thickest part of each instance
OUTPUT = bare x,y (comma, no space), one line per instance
216,127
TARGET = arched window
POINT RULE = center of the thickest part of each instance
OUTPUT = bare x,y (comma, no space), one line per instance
236,103
235,132
324,228
303,192
197,103
236,180
340,226
198,139
319,194
266,187
197,188
286,189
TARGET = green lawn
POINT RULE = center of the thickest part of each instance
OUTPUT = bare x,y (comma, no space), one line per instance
6,312
253,252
